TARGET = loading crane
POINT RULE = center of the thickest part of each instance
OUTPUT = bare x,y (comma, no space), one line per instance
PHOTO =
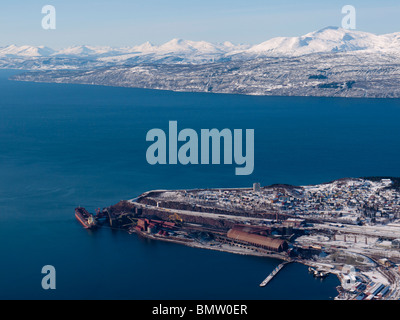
175,218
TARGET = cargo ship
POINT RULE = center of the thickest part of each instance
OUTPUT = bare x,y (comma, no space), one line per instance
85,218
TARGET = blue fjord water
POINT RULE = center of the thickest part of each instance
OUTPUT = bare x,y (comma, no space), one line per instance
66,145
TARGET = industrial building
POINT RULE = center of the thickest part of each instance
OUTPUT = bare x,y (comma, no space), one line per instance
152,226
256,240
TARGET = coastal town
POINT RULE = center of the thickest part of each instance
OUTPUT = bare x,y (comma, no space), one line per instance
349,228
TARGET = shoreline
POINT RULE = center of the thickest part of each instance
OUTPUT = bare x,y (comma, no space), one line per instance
183,91
342,294
196,245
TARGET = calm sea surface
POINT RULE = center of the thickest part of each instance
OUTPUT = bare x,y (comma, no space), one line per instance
67,145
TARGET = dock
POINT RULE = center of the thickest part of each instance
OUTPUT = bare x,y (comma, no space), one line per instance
273,274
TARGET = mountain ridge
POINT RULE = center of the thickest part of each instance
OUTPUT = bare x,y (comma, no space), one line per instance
331,62
325,40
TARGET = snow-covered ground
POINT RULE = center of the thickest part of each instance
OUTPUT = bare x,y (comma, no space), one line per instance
328,62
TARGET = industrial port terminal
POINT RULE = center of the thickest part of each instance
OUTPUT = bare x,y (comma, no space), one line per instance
349,227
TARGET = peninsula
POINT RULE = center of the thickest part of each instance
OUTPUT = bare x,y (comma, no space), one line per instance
349,227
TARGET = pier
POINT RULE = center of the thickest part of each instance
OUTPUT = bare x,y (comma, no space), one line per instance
273,274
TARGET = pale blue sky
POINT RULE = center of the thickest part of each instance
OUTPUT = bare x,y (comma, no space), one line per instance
130,22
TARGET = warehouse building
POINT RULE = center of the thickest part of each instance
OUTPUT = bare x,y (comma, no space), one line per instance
256,240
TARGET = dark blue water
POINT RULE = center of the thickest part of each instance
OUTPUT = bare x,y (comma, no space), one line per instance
67,145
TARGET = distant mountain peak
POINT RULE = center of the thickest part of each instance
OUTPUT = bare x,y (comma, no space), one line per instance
329,39
26,51
329,28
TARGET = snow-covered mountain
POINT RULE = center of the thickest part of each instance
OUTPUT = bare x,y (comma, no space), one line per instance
86,51
329,62
330,39
174,51
25,51
327,40
173,47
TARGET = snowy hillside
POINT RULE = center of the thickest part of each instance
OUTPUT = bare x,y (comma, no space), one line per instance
341,74
329,62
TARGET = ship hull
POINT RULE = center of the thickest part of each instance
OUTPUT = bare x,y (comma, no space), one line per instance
83,218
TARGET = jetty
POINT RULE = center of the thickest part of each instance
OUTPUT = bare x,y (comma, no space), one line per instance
273,274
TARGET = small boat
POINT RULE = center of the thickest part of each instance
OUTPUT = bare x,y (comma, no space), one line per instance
317,273
320,274
85,218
